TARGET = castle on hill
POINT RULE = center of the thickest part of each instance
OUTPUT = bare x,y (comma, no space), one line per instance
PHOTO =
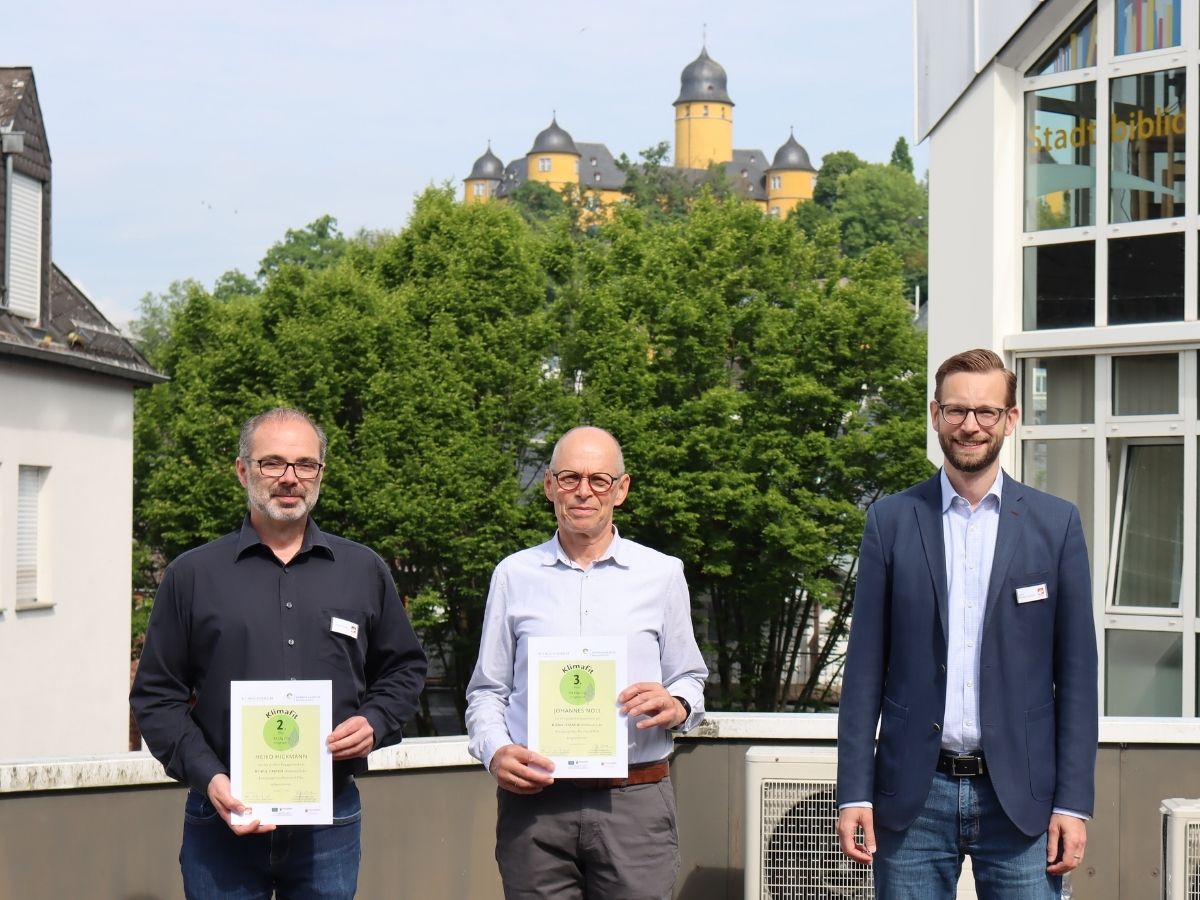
703,136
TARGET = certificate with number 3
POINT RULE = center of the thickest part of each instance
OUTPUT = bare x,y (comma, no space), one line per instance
574,717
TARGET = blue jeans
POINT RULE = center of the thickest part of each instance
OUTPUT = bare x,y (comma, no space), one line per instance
293,862
962,816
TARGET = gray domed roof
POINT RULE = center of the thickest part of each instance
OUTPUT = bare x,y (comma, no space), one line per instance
703,79
487,166
553,140
792,156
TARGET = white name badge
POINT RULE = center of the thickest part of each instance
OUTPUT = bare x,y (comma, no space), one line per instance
342,626
1031,593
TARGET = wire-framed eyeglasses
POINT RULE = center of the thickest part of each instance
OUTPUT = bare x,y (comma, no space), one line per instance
599,482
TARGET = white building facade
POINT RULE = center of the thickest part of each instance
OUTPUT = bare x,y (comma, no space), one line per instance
67,379
1063,235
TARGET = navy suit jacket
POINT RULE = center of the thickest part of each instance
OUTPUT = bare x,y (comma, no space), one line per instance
1038,698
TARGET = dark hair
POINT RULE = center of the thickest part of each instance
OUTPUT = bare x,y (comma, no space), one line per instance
278,414
977,360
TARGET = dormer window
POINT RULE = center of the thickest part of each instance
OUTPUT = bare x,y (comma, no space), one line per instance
593,161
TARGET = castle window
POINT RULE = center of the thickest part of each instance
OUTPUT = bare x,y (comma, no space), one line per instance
593,160
597,177
706,109
479,189
775,211
745,174
776,182
544,164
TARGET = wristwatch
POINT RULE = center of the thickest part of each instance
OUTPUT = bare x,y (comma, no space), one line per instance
687,714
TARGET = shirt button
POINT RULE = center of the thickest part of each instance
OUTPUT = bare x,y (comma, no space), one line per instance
937,727
288,604
291,642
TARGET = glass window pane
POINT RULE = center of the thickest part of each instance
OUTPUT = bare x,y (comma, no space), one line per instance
1146,25
1145,279
1150,527
1060,157
1058,390
1148,124
1063,468
1074,50
1143,673
1146,385
1060,286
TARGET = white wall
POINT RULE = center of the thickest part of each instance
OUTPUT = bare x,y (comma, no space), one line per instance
974,223
64,667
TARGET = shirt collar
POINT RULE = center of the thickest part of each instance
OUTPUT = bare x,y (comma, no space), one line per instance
314,539
615,551
948,492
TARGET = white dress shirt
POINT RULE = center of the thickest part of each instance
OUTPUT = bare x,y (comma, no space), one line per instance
630,591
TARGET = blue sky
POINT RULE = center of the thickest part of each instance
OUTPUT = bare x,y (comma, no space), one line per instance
187,137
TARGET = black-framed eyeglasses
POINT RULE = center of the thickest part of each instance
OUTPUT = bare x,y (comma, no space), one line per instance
599,482
273,467
986,416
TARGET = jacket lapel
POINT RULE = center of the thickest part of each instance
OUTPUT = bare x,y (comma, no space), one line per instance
1012,508
928,510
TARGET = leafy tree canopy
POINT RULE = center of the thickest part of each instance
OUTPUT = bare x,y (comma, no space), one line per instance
765,388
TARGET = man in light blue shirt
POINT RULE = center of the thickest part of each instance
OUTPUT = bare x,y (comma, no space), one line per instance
595,838
973,651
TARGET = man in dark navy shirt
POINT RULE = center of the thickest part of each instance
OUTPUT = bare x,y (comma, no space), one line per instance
276,600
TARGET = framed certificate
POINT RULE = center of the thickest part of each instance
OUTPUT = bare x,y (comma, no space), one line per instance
574,717
280,766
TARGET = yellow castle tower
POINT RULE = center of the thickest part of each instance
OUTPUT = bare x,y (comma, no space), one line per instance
790,178
485,177
553,159
703,115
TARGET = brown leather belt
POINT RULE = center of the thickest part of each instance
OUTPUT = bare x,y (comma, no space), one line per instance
639,773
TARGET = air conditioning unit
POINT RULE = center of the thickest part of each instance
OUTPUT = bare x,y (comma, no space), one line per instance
792,848
1180,849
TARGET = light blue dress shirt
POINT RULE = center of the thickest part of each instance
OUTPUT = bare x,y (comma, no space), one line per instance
630,591
969,538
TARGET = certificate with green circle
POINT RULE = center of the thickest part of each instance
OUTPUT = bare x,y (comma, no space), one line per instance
280,766
574,717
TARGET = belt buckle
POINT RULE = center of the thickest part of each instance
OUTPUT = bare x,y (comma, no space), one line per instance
965,766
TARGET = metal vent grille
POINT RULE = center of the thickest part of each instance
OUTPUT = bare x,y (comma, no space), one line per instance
1191,860
799,846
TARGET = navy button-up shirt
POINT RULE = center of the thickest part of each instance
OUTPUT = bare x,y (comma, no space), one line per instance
231,611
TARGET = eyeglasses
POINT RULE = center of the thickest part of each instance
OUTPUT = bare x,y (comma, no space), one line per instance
986,416
599,482
274,468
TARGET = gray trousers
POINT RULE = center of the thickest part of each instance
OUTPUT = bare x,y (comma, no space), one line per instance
569,843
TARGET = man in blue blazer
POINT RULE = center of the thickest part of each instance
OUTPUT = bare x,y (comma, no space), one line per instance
973,650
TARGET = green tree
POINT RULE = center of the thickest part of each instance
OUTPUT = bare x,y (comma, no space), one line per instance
886,205
834,166
743,367
538,203
655,186
762,384
234,283
316,246
901,158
